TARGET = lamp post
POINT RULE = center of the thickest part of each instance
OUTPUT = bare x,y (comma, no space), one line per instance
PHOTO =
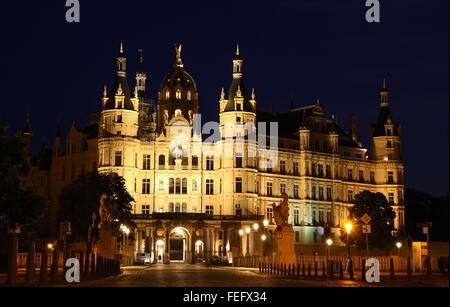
348,226
247,231
264,236
329,242
255,229
241,233
399,245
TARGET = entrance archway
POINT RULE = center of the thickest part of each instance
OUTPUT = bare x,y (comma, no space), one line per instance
159,250
178,243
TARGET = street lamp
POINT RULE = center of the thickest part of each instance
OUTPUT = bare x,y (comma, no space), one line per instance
241,233
255,227
348,226
329,242
399,244
266,222
247,231
263,237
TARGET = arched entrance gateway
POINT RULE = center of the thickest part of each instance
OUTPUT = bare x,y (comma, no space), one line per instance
178,244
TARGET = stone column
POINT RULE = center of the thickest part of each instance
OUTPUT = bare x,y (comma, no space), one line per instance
193,245
166,258
207,245
224,240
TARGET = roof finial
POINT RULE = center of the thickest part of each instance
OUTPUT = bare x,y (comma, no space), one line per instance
105,92
253,94
222,94
179,63
318,102
121,47
237,49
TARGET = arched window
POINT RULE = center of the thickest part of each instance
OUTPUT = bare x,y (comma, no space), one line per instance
184,187
178,186
171,186
189,96
177,207
170,207
178,94
167,94
184,207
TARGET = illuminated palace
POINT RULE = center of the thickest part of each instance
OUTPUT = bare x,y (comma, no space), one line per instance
193,206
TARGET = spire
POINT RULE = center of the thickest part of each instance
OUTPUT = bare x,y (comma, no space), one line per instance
141,60
179,63
27,129
237,50
222,94
384,93
105,92
253,94
121,62
237,65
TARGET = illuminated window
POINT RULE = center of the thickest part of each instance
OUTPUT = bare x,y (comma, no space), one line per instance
238,185
146,209
167,94
145,186
238,209
210,210
118,159
269,189
282,188
146,162
295,191
189,95
178,95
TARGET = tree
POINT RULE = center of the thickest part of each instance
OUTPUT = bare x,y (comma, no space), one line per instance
382,220
18,202
79,200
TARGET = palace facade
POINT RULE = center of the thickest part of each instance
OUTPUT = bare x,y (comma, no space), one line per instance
191,204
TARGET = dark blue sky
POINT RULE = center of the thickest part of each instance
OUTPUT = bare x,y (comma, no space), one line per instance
307,49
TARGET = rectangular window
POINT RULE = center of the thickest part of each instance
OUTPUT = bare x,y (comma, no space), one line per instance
283,167
145,186
269,213
321,220
350,174
238,209
145,209
269,189
295,191
314,191
238,185
238,162
329,217
329,193
321,193
350,195
118,158
297,236
209,186
314,169
282,188
295,167
320,166
314,217
361,176
390,177
391,197
328,169
296,217
146,162
372,177
269,165
209,163
194,161
209,209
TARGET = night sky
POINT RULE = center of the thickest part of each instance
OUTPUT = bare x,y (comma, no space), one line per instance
304,49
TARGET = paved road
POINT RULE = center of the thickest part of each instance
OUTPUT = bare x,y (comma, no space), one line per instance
185,275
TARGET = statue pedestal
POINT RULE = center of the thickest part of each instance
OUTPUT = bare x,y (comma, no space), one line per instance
285,246
105,245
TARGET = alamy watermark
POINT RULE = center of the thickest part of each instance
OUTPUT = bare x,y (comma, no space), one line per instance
73,13
373,13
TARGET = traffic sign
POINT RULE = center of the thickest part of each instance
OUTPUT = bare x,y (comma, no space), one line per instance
366,229
366,218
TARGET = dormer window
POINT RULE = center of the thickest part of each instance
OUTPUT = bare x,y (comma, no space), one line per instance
178,95
238,107
389,144
389,132
167,94
189,95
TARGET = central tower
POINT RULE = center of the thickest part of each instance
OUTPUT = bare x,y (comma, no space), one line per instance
177,95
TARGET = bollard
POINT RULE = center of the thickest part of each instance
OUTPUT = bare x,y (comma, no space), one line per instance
44,264
315,268
363,270
309,269
391,267
341,270
303,269
81,264
350,268
93,263
298,269
54,271
408,264
86,265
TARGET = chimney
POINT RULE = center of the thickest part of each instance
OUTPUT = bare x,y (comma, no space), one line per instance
353,127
